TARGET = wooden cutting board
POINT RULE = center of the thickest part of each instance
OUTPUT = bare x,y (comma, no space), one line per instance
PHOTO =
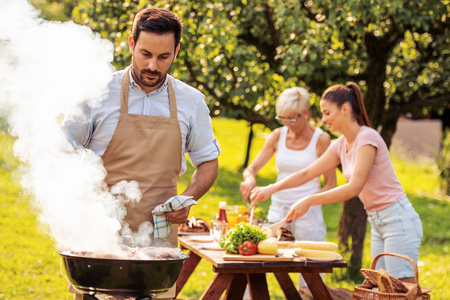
257,257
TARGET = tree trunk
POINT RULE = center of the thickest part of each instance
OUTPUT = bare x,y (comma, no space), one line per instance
352,226
389,126
249,146
374,98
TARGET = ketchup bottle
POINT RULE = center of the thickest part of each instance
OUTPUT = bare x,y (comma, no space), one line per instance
222,212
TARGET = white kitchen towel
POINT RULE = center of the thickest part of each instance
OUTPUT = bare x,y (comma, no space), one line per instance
162,224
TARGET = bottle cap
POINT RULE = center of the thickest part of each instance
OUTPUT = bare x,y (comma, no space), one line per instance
222,204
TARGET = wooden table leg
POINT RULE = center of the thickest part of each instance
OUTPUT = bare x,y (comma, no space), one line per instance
257,285
216,288
316,286
187,269
237,287
288,287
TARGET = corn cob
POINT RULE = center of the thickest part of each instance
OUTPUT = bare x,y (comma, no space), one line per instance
316,245
316,253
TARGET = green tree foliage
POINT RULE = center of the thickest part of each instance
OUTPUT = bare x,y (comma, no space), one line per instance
242,54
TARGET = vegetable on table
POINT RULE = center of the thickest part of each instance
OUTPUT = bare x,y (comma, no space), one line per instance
241,233
268,246
316,253
316,245
248,248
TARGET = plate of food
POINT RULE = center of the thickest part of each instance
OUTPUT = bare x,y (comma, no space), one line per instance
193,227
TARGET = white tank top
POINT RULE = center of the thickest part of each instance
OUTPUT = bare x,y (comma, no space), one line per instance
289,161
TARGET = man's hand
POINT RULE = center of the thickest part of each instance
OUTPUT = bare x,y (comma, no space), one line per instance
178,216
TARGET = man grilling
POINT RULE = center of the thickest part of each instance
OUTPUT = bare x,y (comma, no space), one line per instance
148,121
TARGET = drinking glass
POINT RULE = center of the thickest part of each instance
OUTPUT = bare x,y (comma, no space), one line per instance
218,229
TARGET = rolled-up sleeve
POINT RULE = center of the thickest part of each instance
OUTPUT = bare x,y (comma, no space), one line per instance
210,152
201,145
77,126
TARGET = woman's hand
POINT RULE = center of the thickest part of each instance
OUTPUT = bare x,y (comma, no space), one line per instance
246,187
261,193
299,208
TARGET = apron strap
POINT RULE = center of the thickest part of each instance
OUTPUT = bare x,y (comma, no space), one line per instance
172,99
124,91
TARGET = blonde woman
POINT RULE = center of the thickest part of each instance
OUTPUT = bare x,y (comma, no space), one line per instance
296,145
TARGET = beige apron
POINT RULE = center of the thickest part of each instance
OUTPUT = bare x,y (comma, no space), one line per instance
146,149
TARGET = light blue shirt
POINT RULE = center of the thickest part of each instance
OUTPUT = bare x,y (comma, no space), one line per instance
95,126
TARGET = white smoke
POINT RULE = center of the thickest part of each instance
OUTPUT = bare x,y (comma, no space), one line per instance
46,69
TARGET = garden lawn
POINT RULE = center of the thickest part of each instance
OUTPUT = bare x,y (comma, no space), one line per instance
29,264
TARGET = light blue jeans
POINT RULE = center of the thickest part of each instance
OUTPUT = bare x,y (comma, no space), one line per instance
396,229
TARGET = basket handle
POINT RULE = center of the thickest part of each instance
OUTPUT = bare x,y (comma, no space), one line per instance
416,272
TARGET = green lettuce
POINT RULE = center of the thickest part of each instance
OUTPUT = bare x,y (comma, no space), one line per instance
241,233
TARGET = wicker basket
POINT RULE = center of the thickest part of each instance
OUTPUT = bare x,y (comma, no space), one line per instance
403,291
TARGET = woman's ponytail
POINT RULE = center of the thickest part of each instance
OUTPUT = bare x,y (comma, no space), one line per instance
361,114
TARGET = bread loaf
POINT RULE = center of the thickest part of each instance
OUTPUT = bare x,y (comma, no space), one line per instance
286,245
384,282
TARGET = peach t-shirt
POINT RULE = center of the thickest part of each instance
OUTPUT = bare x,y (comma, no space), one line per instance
382,187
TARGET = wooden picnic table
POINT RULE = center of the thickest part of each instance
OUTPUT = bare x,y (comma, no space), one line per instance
233,276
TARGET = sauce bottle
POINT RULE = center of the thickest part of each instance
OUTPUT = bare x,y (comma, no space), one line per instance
222,212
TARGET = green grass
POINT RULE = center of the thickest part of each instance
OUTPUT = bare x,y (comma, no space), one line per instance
29,267
29,264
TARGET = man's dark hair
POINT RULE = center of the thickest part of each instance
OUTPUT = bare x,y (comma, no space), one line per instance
157,20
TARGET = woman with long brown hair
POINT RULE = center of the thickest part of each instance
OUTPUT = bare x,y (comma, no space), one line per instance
395,226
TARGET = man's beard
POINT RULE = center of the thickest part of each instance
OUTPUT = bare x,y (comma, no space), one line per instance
152,82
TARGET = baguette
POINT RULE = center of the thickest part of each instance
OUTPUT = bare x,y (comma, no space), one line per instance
286,245
316,253
384,282
328,246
